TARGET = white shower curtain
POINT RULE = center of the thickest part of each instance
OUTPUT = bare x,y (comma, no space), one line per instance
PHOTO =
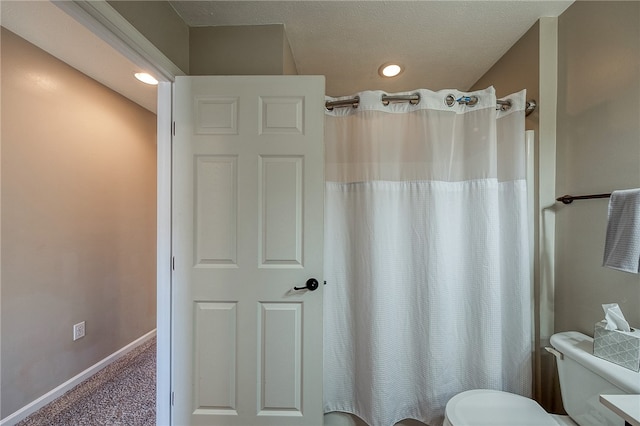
428,288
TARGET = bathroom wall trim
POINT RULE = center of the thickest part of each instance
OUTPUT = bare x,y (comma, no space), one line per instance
57,392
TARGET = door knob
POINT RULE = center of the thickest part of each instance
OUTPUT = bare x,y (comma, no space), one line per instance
311,285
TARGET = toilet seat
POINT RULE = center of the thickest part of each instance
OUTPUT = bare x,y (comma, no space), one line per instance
480,407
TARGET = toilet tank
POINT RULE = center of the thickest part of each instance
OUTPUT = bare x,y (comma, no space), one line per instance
584,377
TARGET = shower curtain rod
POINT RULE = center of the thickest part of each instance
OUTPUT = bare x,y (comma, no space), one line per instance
415,99
568,199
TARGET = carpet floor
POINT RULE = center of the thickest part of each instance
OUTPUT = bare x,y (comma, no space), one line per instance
121,394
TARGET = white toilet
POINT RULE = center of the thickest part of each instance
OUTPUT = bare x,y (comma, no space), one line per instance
583,378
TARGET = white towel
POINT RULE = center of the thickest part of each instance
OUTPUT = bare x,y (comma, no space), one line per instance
622,246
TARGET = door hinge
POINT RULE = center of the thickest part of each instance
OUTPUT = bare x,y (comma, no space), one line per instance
173,128
173,263
173,398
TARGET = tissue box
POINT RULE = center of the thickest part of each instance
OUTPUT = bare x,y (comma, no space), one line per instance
619,347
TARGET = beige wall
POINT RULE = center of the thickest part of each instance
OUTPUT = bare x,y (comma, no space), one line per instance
78,222
161,25
598,151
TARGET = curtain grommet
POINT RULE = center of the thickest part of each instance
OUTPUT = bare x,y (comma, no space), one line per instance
450,100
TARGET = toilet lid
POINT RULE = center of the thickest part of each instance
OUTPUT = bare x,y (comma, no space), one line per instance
488,407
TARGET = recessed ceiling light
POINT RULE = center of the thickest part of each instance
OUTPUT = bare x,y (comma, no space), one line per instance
390,70
146,78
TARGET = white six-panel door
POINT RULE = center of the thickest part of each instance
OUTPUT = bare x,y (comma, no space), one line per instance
247,228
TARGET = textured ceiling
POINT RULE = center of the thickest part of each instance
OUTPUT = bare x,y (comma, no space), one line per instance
442,44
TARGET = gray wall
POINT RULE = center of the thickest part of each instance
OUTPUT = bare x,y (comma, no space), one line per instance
598,150
78,222
161,25
516,70
239,50
289,66
220,50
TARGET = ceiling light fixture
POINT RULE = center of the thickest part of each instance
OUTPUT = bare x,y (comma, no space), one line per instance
390,70
146,78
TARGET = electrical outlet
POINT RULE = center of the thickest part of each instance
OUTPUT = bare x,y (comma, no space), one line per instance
78,330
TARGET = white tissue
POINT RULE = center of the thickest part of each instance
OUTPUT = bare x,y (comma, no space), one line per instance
614,318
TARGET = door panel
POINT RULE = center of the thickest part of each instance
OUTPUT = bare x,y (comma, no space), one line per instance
247,228
280,367
281,205
216,191
215,339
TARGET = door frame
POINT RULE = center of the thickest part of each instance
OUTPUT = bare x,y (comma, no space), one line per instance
163,251
103,21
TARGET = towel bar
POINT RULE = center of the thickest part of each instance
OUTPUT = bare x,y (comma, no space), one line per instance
568,199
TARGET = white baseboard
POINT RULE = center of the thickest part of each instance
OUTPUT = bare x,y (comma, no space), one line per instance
34,406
